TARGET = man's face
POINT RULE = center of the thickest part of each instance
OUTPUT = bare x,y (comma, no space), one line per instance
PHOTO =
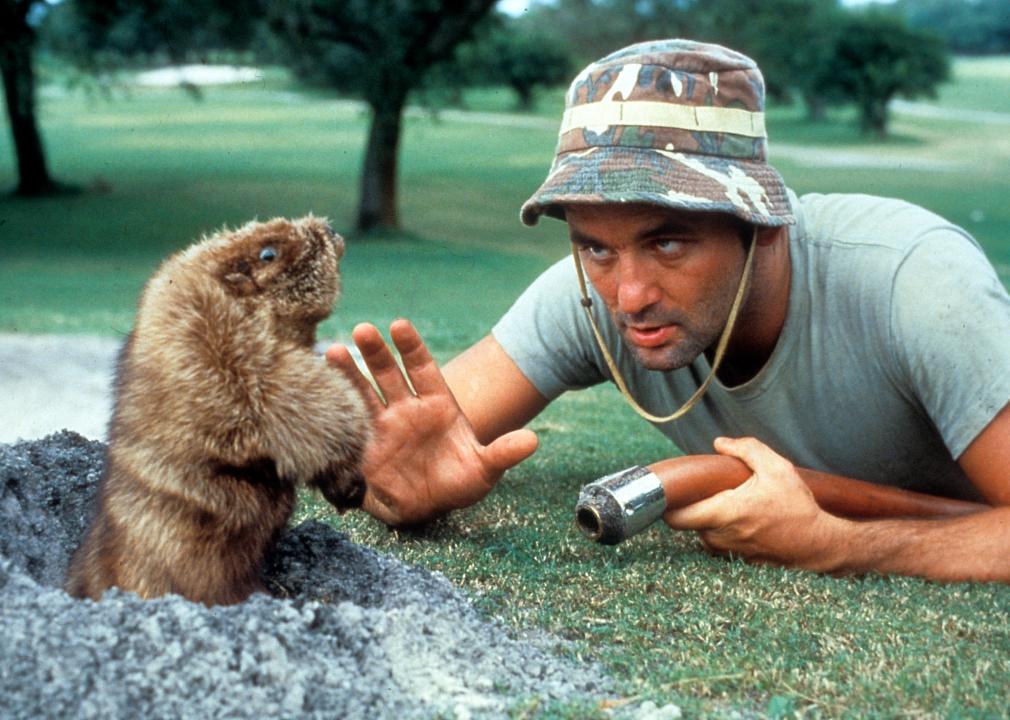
668,277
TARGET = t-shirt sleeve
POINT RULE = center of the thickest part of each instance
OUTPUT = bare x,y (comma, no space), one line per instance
547,335
950,325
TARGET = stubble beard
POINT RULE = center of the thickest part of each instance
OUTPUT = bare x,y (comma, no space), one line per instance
695,334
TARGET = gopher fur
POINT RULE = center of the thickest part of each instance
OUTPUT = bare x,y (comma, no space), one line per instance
221,409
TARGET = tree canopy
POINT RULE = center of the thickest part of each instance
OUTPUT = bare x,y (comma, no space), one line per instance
815,50
98,34
379,50
522,56
966,26
877,57
383,51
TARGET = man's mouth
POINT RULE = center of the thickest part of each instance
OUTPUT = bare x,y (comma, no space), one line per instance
651,336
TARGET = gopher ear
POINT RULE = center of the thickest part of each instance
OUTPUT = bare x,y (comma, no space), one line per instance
239,283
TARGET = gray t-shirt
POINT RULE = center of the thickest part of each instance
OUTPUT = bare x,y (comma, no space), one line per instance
894,356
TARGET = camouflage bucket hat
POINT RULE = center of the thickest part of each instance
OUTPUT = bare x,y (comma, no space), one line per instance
675,123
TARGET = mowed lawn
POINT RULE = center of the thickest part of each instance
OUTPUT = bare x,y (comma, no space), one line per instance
668,622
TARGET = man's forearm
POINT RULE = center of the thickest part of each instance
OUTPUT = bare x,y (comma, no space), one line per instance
972,547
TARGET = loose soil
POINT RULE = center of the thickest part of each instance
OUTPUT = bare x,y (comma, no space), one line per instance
347,632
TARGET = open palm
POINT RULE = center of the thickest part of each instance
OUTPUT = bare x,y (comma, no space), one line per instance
423,458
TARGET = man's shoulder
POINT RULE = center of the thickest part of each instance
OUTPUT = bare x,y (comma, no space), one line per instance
870,222
858,245
546,336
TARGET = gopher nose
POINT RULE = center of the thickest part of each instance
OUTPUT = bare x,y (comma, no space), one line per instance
338,243
327,231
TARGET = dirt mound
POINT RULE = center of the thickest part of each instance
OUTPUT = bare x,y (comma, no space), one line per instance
349,632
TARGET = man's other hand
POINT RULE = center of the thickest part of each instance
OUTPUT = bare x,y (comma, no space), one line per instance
772,517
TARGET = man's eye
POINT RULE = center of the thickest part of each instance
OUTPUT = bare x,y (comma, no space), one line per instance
596,252
667,246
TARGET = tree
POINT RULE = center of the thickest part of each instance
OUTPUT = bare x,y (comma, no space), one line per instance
791,41
594,28
87,29
379,49
17,46
100,34
967,26
526,62
877,57
518,54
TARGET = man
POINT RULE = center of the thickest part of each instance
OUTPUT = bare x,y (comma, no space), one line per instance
856,335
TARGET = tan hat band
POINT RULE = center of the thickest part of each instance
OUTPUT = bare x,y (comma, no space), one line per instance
598,116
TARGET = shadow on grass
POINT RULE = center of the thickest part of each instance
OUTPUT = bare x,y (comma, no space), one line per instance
840,128
55,190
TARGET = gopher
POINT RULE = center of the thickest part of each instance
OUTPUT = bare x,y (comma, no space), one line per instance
221,409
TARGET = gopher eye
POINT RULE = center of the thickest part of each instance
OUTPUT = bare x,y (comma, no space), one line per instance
268,253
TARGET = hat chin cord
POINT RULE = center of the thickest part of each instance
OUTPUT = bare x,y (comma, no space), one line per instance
720,350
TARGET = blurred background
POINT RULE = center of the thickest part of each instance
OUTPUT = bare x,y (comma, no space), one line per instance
418,128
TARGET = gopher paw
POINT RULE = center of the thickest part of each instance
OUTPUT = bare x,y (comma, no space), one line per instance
343,487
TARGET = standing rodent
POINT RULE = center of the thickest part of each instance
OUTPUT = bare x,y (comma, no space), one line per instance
221,409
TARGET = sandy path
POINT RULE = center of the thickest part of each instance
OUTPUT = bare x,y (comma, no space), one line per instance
55,382
51,382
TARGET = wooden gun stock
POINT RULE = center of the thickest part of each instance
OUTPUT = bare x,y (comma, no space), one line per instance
691,478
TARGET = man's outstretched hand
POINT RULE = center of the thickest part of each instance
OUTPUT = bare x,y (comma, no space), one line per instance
423,458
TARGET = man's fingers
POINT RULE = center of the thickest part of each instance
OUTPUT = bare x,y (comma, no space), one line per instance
758,457
710,542
381,363
510,449
417,361
338,356
707,514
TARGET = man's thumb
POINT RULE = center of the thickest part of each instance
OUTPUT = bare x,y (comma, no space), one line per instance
510,449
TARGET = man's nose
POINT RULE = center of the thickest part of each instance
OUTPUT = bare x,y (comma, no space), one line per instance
637,288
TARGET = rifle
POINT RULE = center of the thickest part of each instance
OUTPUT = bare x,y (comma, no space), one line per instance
615,507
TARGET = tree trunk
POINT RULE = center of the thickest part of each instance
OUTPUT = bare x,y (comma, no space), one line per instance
19,92
817,108
377,208
524,96
875,116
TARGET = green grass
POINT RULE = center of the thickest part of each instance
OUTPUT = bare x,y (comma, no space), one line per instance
979,83
547,102
668,622
672,624
178,169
